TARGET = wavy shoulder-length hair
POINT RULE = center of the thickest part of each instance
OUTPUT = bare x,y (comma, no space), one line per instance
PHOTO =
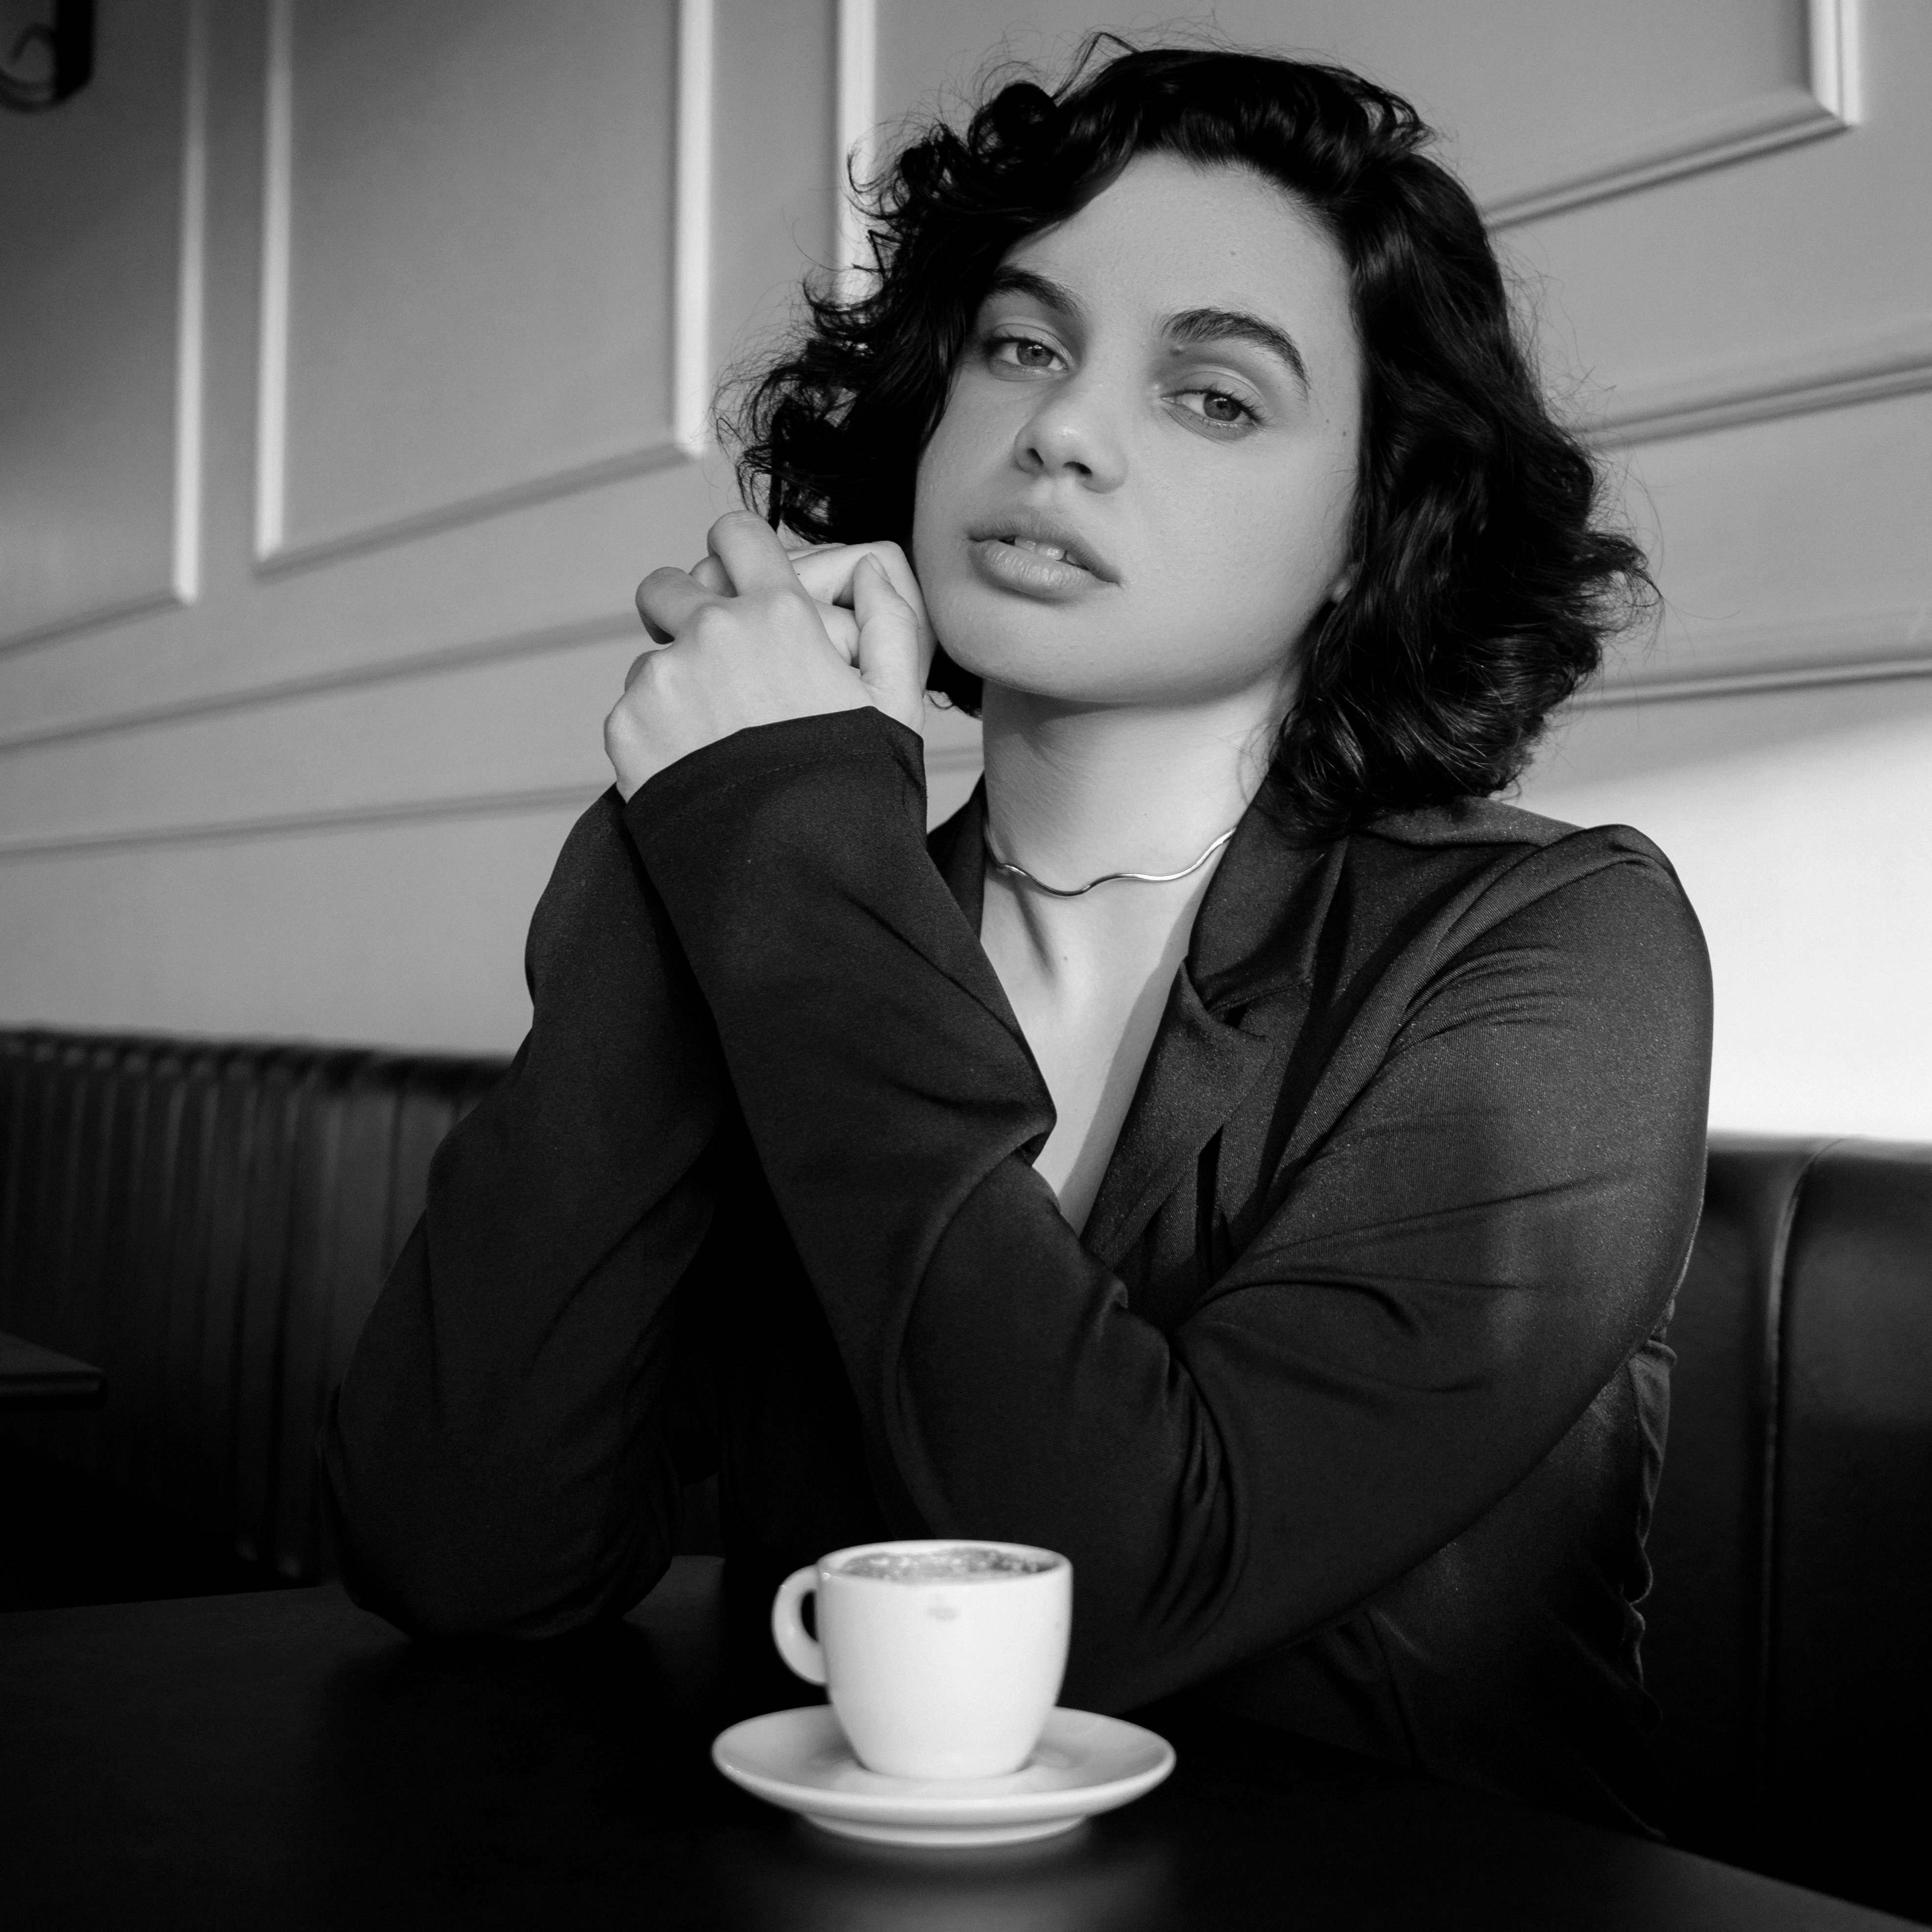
1484,582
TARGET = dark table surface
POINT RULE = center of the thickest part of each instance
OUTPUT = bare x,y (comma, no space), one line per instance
284,1760
32,1377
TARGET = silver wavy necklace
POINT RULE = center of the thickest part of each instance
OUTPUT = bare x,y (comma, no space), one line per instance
1013,872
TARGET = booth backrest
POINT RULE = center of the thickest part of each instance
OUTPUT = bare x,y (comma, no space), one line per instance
1790,1624
210,1222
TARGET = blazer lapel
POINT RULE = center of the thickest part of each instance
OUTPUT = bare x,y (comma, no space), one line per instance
1199,1071
959,849
1236,1007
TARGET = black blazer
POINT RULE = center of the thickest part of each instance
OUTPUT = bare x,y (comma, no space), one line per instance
1348,1406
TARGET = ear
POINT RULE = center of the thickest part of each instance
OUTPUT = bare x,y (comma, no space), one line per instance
1344,582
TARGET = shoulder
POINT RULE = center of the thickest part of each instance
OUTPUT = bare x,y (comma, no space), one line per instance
1483,874
1470,821
1503,856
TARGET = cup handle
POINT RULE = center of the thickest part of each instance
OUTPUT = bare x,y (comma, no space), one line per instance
802,1652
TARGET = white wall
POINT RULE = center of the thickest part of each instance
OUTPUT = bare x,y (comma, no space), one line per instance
355,354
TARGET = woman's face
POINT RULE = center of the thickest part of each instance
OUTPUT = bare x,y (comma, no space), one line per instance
1165,389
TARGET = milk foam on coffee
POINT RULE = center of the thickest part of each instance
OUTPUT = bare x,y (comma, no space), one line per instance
961,1565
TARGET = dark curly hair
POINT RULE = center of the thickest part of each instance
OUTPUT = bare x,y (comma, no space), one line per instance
1483,582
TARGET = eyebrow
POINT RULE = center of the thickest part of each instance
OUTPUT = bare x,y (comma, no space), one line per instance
1190,328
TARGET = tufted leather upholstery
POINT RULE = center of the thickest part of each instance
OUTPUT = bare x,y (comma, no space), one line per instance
1790,1637
210,1222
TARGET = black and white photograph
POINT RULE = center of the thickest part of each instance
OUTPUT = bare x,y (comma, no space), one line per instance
965,966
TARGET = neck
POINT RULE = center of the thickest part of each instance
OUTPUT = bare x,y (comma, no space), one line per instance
1072,793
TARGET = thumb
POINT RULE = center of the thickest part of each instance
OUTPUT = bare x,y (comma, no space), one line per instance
891,657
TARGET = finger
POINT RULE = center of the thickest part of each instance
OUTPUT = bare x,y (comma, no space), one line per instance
892,659
828,575
842,627
668,599
708,571
749,549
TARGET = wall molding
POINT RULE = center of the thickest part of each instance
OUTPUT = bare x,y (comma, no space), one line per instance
333,818
690,284
545,488
855,131
183,587
1896,361
506,802
1731,658
1851,648
690,305
436,661
1711,660
1722,660
1827,102
190,328
271,340
95,616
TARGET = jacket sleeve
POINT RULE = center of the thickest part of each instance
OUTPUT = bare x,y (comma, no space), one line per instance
1493,1224
502,1454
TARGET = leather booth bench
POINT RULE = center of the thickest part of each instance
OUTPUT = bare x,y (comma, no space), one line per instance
209,1222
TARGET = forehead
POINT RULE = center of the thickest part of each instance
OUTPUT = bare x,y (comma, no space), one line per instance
1168,234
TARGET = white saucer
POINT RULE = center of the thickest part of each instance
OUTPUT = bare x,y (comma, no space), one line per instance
1083,1763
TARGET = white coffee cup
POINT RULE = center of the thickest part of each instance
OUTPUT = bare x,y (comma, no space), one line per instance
936,1671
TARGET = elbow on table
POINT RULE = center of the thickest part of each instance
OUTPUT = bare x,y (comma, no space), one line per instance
448,1565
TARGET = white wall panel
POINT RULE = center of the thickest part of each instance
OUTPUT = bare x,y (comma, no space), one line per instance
528,724
471,201
774,69
321,798
1538,94
100,304
409,933
1820,519
1795,819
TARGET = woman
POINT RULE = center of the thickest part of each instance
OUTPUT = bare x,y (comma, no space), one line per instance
1234,1151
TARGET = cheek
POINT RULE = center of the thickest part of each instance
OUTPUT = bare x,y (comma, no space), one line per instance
1243,567
936,484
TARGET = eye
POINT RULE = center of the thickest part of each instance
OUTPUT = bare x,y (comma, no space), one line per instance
1006,350
1218,408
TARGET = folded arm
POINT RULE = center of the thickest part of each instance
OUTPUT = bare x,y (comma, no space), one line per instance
503,1453
1461,1260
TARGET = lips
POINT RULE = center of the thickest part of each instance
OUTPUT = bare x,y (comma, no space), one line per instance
1046,538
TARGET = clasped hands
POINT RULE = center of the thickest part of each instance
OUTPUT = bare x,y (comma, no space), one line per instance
755,634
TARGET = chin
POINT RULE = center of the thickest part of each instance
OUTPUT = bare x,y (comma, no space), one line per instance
1052,677
1006,643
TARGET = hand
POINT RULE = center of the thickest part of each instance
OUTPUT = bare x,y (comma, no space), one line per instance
754,635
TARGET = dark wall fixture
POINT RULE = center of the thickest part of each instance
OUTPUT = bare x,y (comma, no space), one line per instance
49,60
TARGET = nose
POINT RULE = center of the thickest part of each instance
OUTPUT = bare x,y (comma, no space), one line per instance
1070,434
